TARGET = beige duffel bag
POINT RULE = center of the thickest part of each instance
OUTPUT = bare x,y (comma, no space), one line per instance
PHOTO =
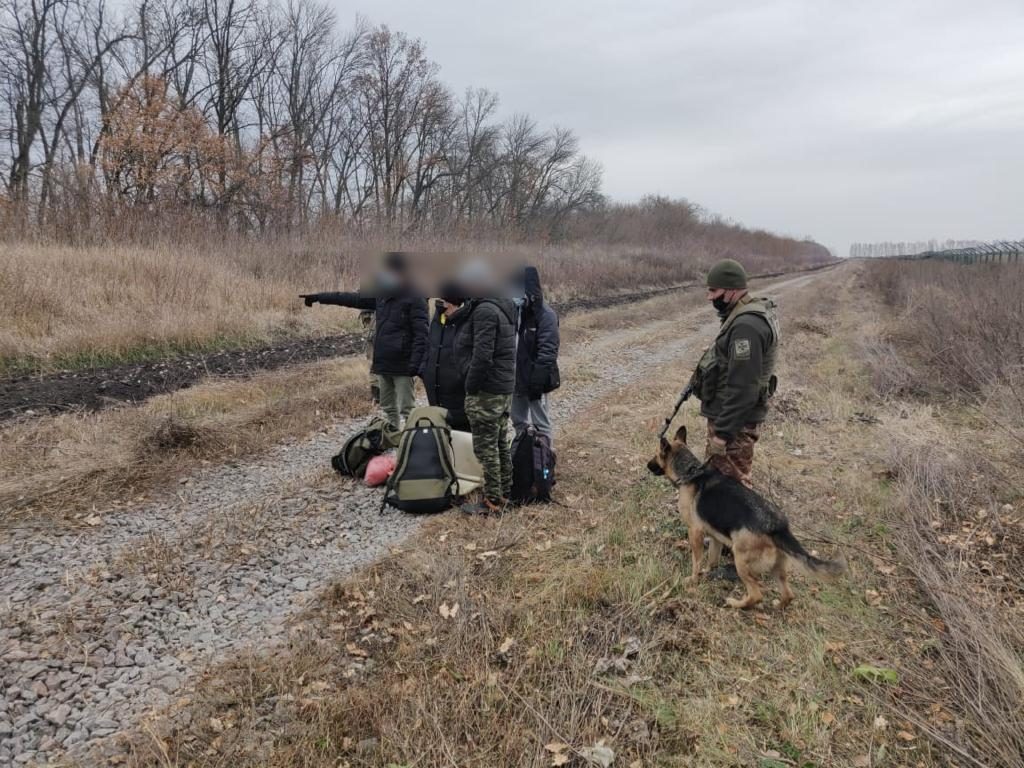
467,469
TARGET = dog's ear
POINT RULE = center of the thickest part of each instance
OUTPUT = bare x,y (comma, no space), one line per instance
681,434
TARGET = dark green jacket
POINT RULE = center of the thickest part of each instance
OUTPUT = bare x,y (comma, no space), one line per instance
485,345
735,375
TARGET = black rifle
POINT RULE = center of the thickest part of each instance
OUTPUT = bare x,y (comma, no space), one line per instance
683,397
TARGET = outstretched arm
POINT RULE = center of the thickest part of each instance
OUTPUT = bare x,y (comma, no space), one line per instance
352,299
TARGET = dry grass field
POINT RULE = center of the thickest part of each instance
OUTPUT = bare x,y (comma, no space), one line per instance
69,306
565,635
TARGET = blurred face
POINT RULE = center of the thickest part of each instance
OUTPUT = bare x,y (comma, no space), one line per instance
723,296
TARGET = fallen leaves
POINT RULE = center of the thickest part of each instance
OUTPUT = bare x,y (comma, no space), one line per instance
599,755
355,650
559,752
448,611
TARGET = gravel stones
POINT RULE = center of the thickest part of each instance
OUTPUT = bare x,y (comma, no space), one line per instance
102,627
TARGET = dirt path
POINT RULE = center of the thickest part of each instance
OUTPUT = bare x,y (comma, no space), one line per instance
95,388
99,628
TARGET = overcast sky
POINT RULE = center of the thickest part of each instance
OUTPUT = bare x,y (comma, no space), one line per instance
843,120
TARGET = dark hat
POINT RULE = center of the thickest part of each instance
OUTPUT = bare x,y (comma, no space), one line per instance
728,274
452,292
395,261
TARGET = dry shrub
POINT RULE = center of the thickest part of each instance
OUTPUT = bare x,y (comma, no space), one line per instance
958,333
955,540
173,433
960,328
889,373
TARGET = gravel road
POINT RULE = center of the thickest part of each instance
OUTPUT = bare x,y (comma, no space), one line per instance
100,628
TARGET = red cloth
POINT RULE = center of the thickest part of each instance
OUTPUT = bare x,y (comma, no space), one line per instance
379,469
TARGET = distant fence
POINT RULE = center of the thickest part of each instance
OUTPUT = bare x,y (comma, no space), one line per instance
1002,252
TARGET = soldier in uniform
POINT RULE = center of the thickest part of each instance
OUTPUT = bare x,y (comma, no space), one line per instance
736,376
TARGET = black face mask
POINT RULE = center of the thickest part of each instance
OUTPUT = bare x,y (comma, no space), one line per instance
721,306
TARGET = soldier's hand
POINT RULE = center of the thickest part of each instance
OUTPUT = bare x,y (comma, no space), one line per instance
309,298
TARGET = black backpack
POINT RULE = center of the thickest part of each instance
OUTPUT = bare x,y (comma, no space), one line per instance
372,440
533,467
424,479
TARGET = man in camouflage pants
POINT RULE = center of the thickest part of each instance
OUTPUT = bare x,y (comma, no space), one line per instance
736,375
485,350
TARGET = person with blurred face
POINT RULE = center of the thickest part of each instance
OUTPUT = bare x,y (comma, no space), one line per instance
442,377
400,333
485,351
536,359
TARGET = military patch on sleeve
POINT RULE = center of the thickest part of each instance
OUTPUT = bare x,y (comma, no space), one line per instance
741,349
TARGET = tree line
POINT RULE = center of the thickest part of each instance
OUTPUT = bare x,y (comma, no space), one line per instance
905,248
264,114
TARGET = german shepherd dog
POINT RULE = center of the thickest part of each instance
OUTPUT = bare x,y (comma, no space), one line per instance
736,516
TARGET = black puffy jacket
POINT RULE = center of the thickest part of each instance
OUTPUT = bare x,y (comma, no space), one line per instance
441,373
537,351
400,340
485,345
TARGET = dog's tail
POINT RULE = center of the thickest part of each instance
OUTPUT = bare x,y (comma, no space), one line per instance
829,569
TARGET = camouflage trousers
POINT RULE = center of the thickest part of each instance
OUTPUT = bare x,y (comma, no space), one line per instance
488,421
738,460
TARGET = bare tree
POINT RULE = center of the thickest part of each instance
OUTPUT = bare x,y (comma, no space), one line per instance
28,40
295,120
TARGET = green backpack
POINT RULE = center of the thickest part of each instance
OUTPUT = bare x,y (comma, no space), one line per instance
372,440
424,479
